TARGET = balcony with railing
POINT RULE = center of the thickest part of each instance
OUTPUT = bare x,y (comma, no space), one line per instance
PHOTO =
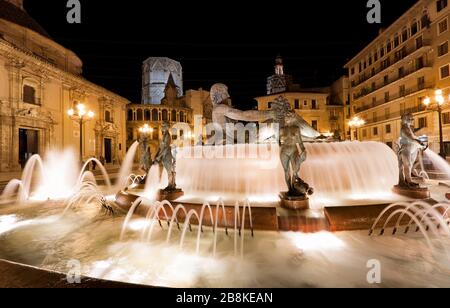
405,73
400,94
391,61
396,115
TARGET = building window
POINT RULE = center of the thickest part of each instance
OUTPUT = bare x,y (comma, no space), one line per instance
388,129
422,122
386,97
352,71
419,42
420,63
174,116
108,116
382,52
404,35
388,47
441,4
445,71
155,115
305,103
29,94
314,105
386,80
297,104
402,90
421,82
182,116
447,148
314,124
396,41
375,131
364,133
443,26
269,105
401,72
139,115
147,115
165,115
414,28
446,118
130,115
443,49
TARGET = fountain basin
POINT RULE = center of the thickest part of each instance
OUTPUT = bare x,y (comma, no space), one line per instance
16,275
271,217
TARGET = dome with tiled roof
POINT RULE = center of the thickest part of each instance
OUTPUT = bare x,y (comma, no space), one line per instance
13,11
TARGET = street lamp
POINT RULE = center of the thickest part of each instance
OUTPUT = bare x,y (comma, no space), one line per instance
356,122
145,130
439,101
80,115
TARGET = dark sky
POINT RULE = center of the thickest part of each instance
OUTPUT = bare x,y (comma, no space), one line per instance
233,42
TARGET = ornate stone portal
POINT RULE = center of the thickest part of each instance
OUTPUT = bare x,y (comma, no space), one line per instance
165,159
409,149
292,155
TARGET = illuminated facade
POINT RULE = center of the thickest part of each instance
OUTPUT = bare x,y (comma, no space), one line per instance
39,81
393,75
174,109
322,108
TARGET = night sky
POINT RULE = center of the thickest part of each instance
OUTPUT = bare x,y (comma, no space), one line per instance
233,42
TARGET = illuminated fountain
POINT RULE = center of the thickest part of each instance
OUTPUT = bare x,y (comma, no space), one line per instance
221,232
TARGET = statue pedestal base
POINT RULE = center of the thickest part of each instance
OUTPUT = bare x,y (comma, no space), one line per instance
414,193
294,203
169,195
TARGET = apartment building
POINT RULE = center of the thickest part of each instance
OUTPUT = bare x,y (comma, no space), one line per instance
395,74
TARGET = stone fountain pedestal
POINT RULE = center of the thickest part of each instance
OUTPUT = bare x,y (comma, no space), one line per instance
296,203
420,193
169,195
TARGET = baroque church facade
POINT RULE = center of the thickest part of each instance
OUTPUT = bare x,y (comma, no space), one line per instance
40,81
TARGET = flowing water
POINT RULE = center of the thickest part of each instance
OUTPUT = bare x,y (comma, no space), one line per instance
61,215
37,235
340,173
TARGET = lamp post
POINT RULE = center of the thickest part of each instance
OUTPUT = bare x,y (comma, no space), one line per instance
356,122
436,105
80,115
